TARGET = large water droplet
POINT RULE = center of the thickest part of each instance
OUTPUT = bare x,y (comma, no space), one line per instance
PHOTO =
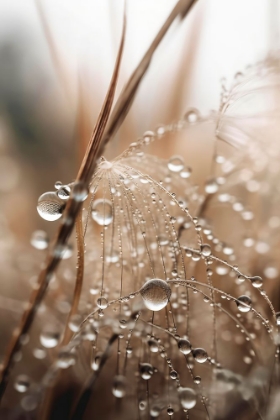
39,239
200,355
187,397
244,303
22,383
278,318
102,211
50,206
156,294
184,346
146,370
175,164
119,386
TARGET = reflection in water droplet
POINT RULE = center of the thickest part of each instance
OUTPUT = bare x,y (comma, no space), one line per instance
50,206
102,211
156,294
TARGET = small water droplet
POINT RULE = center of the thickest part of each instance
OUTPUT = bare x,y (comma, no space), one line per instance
49,337
176,164
119,386
102,211
156,294
184,346
256,281
244,303
146,371
65,359
192,116
200,355
22,383
80,191
173,374
64,192
39,239
205,250
102,303
153,345
211,186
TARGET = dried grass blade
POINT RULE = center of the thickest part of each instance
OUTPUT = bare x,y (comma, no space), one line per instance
65,230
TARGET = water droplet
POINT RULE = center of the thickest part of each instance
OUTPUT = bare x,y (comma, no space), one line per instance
22,383
278,318
29,402
64,192
173,374
75,322
197,380
170,411
142,405
211,186
146,371
176,164
39,239
102,211
153,345
187,397
58,185
119,386
156,294
256,281
80,192
244,303
65,359
186,173
49,337
102,303
200,355
184,346
96,361
192,116
205,250
50,206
